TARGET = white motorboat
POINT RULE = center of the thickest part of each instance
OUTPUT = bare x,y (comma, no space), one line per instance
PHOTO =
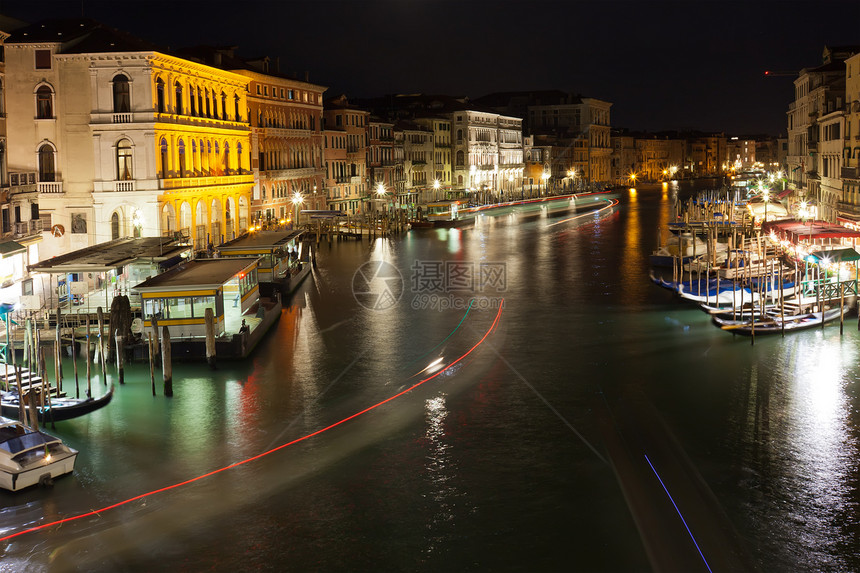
29,457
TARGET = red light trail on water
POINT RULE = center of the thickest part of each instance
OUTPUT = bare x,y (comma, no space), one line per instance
266,453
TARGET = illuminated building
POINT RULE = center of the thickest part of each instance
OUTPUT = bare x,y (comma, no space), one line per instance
346,155
127,140
487,149
381,166
849,202
816,91
286,142
20,224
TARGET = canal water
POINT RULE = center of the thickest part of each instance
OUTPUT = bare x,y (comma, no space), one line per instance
510,352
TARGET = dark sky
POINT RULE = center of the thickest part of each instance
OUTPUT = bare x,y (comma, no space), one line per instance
697,64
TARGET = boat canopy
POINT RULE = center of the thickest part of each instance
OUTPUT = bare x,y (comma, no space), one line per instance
836,255
795,230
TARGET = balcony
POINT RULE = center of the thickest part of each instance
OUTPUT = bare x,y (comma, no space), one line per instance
18,178
52,187
187,182
848,208
122,118
25,228
123,185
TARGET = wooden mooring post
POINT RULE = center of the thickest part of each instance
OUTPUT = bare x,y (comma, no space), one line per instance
89,362
101,345
151,362
166,366
210,337
120,362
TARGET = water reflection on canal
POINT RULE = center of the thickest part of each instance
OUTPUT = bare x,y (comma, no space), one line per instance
498,463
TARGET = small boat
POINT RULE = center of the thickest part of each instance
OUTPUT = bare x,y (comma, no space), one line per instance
773,324
29,457
683,245
62,408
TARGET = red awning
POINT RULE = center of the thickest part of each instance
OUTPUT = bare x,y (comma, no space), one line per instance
797,231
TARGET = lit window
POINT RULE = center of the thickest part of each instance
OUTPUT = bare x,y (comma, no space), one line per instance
121,95
123,161
44,103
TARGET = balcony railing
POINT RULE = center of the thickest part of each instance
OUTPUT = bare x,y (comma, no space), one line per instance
122,117
123,185
24,228
50,186
185,182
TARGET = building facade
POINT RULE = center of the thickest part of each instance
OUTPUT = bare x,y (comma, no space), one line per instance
127,140
849,203
345,145
287,159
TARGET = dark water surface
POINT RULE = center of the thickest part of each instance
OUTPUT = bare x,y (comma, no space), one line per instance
503,461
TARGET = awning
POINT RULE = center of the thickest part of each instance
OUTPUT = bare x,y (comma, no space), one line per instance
9,248
836,255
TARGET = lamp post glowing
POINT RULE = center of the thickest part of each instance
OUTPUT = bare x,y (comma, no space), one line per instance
572,175
633,180
765,194
297,200
545,177
436,186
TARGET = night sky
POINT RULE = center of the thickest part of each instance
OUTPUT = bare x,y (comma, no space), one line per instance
664,65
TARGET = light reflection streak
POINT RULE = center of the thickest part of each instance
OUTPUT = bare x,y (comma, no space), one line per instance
331,426
440,468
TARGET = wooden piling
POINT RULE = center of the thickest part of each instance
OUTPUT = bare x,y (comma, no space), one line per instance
101,344
166,366
120,362
89,362
75,365
59,348
210,337
155,340
21,414
34,413
151,362
841,308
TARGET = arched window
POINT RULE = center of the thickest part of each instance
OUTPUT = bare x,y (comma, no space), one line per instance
46,163
236,107
178,105
114,226
239,157
223,106
44,103
181,158
159,90
227,159
208,105
460,158
124,161
194,165
121,94
192,109
200,101
164,158
218,165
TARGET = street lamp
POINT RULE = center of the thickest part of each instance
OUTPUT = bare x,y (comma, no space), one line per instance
633,180
436,186
572,175
297,200
545,177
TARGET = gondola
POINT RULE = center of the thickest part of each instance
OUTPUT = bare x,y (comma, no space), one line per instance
775,324
60,408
